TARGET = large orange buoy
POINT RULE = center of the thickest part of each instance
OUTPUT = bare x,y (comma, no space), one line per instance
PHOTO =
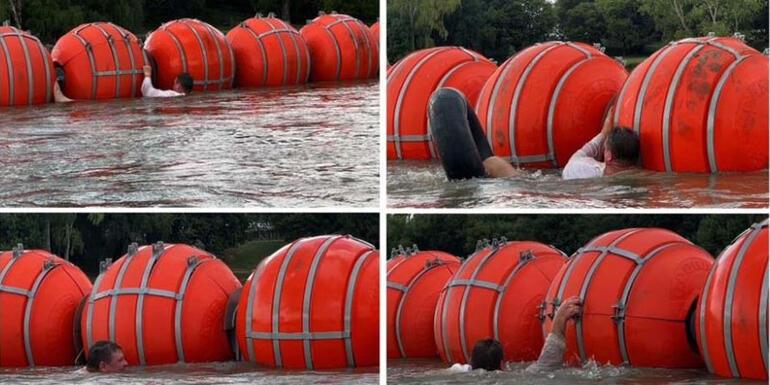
375,30
163,303
39,293
731,321
412,81
341,48
313,304
415,279
699,105
26,69
638,288
100,61
192,46
548,100
496,294
269,52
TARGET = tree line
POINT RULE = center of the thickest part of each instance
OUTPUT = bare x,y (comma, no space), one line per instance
50,19
499,28
458,234
85,239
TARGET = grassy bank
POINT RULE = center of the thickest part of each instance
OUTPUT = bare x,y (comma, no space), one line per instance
243,258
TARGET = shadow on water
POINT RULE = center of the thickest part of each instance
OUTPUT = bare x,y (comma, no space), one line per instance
423,184
310,146
224,373
436,372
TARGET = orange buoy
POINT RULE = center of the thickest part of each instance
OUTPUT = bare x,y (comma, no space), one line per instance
39,293
699,105
496,294
731,321
100,61
163,304
313,304
415,279
192,46
269,52
375,30
412,81
341,48
547,101
638,288
26,69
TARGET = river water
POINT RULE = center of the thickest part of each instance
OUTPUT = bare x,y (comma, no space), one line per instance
435,372
423,184
215,373
310,146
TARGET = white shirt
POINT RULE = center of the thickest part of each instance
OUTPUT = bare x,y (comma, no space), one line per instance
460,368
585,162
148,91
551,356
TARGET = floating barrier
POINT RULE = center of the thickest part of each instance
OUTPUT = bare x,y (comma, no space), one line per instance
415,279
731,321
163,304
192,46
413,80
496,294
341,48
699,105
375,30
26,69
638,288
269,52
547,101
39,293
313,304
100,61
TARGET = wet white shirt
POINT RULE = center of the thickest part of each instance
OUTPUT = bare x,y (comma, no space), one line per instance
585,162
148,91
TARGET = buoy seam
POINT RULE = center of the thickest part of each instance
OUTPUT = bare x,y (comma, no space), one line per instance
261,46
28,65
444,332
552,109
28,312
668,106
148,269
587,282
116,60
9,66
521,81
402,299
492,103
89,52
348,329
401,94
729,297
307,298
711,118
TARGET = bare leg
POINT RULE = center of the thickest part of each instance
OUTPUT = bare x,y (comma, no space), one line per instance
59,96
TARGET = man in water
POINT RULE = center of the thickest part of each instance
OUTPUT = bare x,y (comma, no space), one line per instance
183,85
106,357
488,353
615,149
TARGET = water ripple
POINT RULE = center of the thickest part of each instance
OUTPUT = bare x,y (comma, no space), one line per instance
311,146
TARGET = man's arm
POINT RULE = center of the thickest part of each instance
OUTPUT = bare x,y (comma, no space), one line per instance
552,355
148,91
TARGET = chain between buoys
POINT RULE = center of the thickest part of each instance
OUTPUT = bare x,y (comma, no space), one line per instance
405,251
495,243
18,250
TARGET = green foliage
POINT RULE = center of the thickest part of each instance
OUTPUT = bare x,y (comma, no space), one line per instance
457,234
420,21
677,19
88,238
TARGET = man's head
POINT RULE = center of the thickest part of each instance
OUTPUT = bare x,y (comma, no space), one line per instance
106,357
183,83
487,354
622,147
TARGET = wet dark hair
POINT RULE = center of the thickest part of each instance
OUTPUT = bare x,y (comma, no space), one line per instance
487,354
186,81
623,143
102,351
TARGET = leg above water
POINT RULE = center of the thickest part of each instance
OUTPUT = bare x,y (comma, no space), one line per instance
451,133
